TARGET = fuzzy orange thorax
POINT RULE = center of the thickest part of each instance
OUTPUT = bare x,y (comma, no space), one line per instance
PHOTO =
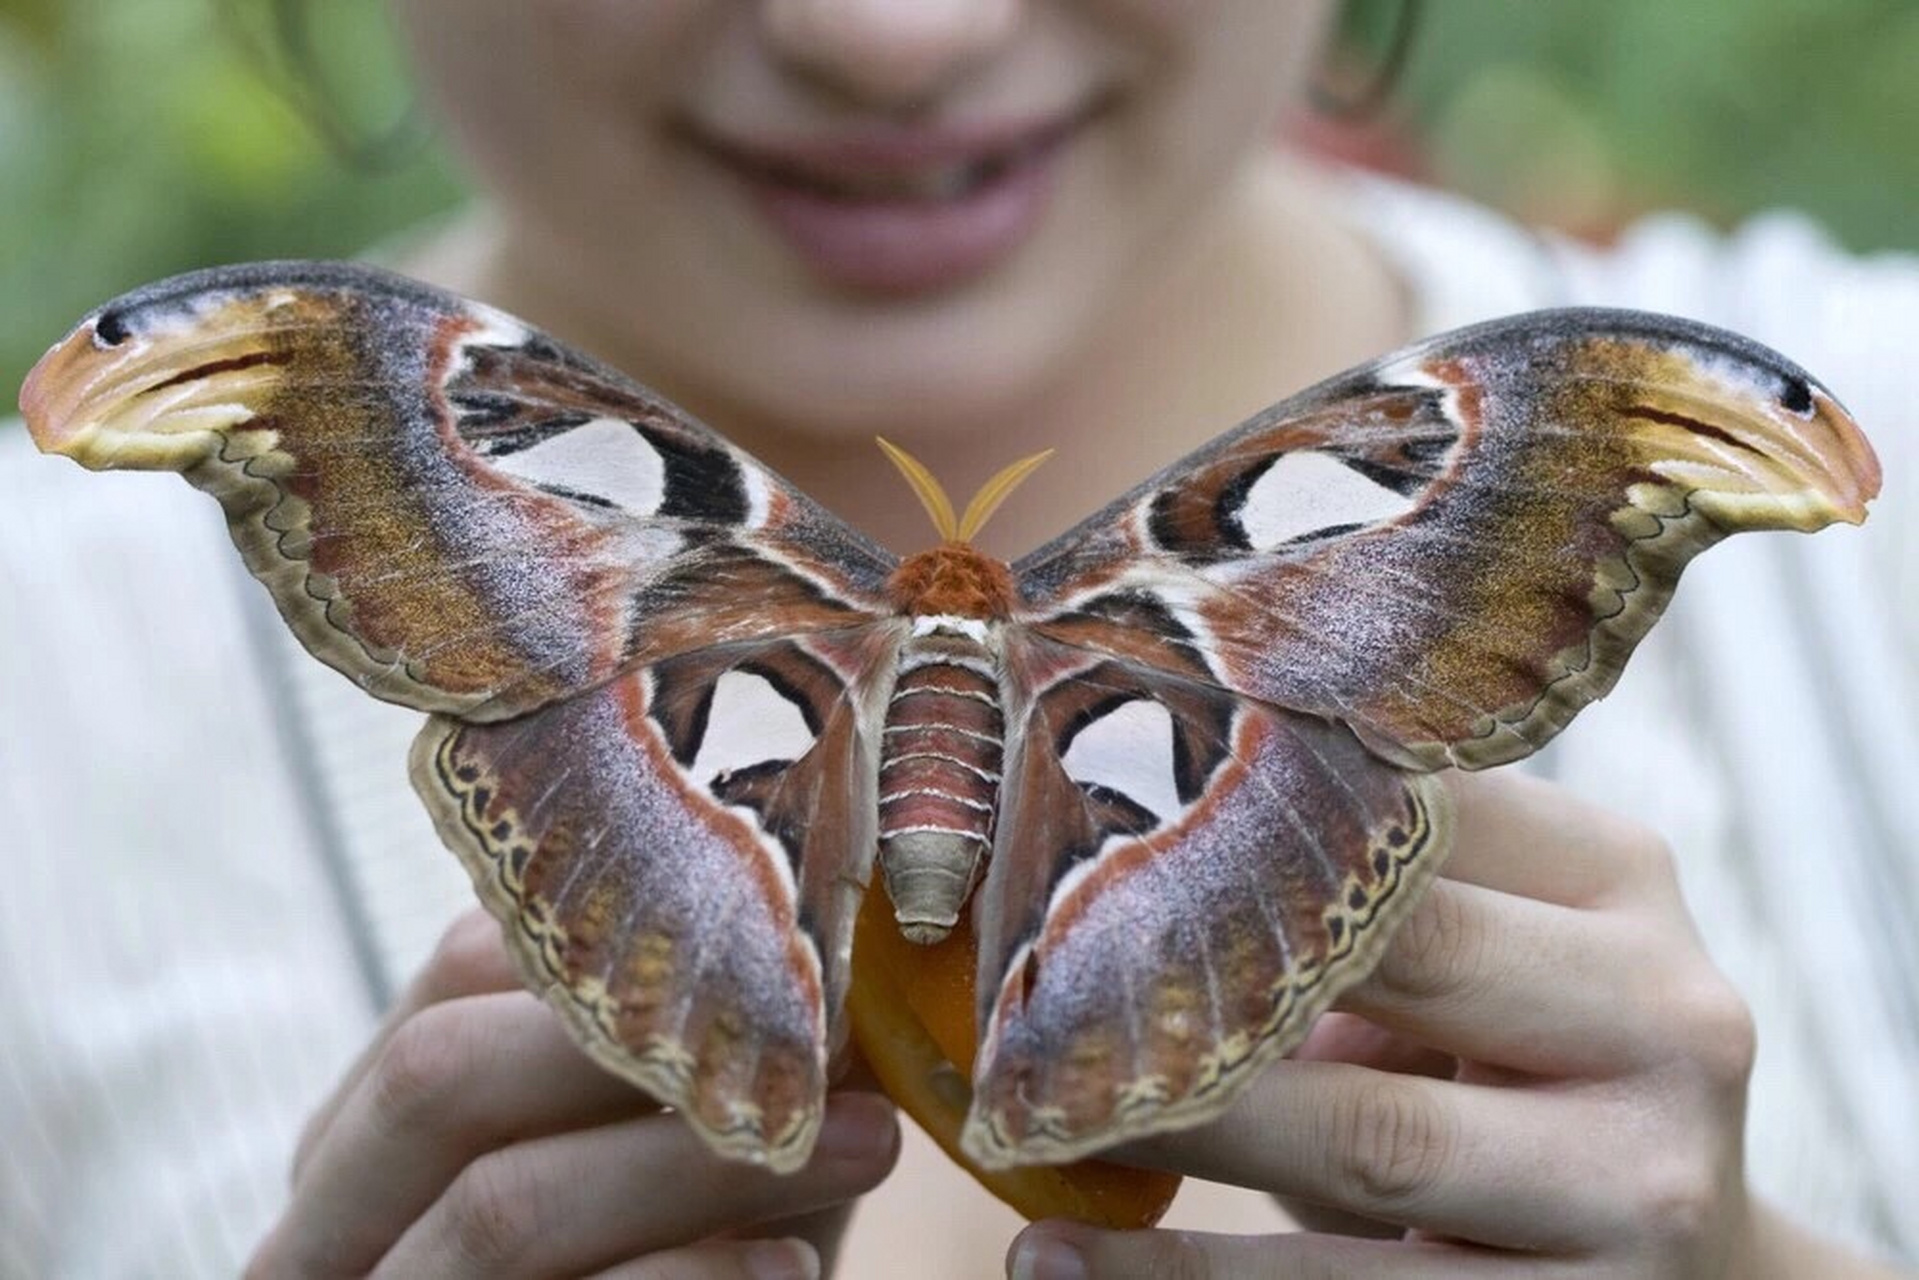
952,580
955,579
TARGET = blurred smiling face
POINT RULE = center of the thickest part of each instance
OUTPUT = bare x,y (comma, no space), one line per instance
821,211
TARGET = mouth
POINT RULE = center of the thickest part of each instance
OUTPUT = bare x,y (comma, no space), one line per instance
898,166
901,209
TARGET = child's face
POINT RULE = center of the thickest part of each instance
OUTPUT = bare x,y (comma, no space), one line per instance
842,212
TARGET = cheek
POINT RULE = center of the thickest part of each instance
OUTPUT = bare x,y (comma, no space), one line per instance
1215,78
1241,63
542,96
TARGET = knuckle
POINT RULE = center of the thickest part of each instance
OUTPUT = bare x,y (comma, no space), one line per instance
1717,1028
420,1071
1644,855
493,1212
1392,1144
1679,1200
1439,950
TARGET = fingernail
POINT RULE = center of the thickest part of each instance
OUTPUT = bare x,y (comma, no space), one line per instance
1044,1257
858,1127
783,1260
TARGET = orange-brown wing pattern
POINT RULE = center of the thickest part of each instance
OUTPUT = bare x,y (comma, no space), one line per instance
1183,880
678,856
1455,549
654,664
454,510
1226,690
661,675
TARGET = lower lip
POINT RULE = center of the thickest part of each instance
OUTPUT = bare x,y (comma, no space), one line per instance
909,246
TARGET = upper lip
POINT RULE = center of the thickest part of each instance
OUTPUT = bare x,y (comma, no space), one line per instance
885,149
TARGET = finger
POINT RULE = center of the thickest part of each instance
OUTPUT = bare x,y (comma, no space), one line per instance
1337,1222
1477,1162
1518,983
578,1201
1069,1251
470,959
1347,1037
459,1078
724,1260
824,1229
1524,836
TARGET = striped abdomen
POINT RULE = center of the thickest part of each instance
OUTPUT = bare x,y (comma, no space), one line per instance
939,774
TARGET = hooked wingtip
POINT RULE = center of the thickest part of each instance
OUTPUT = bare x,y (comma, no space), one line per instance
53,397
1851,472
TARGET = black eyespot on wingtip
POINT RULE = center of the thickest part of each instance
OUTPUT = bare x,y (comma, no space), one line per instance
1797,396
110,329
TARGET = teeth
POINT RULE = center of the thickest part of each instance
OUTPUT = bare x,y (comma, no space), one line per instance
949,181
935,183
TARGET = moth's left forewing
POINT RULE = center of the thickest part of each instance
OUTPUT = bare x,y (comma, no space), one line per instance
1181,882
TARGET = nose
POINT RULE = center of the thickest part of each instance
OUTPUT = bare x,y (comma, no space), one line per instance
888,53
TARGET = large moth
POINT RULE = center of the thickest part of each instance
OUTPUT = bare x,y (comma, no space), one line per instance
1175,771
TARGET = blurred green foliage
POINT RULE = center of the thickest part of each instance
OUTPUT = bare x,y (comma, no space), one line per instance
142,137
1584,114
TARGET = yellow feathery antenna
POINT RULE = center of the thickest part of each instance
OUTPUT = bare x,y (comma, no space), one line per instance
932,494
996,491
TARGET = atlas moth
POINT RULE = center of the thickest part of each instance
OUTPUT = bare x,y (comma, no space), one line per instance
1169,781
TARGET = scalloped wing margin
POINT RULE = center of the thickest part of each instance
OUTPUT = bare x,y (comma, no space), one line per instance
454,510
689,914
1140,961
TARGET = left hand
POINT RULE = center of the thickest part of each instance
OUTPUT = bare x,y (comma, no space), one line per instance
474,1138
1544,1075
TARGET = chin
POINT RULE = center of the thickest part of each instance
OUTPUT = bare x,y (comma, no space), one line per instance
834,363
950,389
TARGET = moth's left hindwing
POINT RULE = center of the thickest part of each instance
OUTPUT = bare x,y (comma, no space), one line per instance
649,657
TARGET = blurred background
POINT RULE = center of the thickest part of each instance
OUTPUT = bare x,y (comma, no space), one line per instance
143,137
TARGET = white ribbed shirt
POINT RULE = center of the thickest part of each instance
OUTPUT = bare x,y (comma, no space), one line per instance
214,872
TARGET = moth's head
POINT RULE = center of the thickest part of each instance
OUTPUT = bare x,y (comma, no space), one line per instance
956,579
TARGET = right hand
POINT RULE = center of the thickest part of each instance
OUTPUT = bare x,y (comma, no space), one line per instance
473,1138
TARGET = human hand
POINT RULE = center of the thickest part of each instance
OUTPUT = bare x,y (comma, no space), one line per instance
1544,1075
473,1138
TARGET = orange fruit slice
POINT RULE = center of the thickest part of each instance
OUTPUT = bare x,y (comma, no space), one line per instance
912,1010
